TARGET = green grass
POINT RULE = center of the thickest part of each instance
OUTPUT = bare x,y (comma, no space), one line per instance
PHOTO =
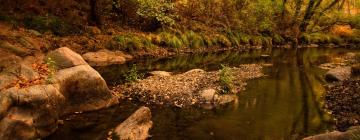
133,75
226,79
130,42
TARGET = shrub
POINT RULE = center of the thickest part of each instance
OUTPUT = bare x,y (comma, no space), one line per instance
226,79
278,39
51,65
244,38
132,75
158,9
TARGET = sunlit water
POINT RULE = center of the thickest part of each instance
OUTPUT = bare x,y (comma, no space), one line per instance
286,104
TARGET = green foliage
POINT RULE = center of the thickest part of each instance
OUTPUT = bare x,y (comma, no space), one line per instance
171,40
51,23
130,42
51,64
226,79
158,9
320,38
132,75
223,41
244,38
355,21
278,39
194,40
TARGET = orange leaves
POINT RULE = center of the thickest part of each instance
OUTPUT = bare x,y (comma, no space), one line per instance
342,30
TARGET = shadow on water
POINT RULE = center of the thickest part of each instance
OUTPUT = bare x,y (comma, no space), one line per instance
286,104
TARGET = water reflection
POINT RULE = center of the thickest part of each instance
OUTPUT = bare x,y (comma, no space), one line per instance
286,104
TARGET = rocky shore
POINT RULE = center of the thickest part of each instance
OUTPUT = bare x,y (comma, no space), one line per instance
190,88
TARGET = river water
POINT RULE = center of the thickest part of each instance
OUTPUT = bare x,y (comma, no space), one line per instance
285,104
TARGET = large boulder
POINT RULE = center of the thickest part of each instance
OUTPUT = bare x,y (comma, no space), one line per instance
351,134
338,74
30,112
13,73
84,89
105,57
136,127
66,58
33,111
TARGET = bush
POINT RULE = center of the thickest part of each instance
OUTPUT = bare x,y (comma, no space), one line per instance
226,79
132,75
157,9
278,39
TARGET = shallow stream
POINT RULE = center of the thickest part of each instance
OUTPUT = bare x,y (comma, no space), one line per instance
285,104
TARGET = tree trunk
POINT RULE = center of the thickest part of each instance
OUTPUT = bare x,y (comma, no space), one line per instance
308,15
94,17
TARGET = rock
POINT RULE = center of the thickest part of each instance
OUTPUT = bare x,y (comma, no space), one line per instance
355,69
265,56
65,58
32,112
195,71
34,32
17,126
328,66
84,89
105,57
338,74
313,45
351,134
136,127
208,94
8,59
15,49
5,103
160,73
336,135
225,99
13,73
